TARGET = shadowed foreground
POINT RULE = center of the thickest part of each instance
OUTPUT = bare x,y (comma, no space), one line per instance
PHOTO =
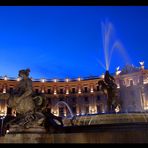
110,133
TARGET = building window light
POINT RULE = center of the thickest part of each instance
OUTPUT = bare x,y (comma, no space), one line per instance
18,79
55,80
42,80
142,64
67,80
79,79
79,91
118,71
4,90
102,76
91,90
118,86
5,78
55,92
67,92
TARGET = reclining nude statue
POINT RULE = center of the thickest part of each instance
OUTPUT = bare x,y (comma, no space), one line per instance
30,110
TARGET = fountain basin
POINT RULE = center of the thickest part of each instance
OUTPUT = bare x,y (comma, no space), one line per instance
103,133
99,119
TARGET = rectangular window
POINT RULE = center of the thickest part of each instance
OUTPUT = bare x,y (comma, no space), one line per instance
11,90
61,111
73,90
86,99
98,98
85,89
97,87
49,100
61,91
74,109
87,109
49,91
74,100
36,91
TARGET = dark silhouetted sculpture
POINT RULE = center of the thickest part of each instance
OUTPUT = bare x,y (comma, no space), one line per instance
30,109
21,100
109,87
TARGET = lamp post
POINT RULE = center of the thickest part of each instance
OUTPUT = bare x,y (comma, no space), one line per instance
2,122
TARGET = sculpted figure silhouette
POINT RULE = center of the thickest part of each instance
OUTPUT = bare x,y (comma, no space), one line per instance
30,109
109,87
21,100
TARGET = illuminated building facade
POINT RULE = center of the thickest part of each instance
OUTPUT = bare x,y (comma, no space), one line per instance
83,95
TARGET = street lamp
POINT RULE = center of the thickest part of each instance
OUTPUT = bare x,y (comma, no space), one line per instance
2,122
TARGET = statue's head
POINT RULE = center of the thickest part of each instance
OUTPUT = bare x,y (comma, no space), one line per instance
24,72
107,72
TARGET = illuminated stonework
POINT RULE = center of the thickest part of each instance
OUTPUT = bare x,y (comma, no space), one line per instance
84,96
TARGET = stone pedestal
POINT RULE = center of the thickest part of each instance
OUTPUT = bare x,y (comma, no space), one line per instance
122,134
22,135
110,129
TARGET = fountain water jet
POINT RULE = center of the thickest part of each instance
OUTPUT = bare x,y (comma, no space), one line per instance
63,102
110,43
106,36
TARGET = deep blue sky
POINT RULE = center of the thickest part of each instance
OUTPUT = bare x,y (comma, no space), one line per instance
66,41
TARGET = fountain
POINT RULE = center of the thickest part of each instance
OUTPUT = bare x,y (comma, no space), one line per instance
66,119
31,111
108,85
63,102
110,44
90,127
